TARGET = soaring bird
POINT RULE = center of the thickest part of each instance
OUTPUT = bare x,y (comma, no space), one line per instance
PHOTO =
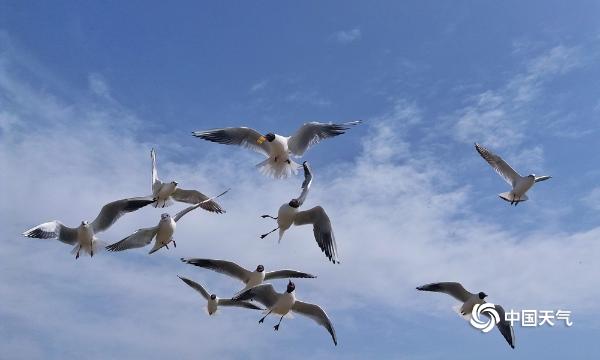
468,302
277,148
520,184
166,193
288,214
249,278
163,232
214,302
83,237
283,303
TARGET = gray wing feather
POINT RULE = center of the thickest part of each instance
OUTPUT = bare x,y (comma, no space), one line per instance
498,164
312,133
286,274
51,230
454,289
306,183
138,239
264,294
196,197
180,214
156,183
194,285
321,228
112,211
504,326
317,314
221,266
542,178
244,304
241,136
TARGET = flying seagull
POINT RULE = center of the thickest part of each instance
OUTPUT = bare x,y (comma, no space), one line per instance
282,304
520,184
83,237
166,193
469,300
288,214
163,232
249,278
277,148
214,302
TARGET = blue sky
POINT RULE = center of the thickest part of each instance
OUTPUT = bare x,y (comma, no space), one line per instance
86,89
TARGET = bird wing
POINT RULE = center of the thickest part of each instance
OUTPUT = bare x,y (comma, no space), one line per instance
264,294
180,214
313,132
241,136
504,326
286,274
111,212
156,183
221,266
542,178
499,165
194,285
51,230
244,304
321,229
317,314
454,289
138,239
306,183
196,197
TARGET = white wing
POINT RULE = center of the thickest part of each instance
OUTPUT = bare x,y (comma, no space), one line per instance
306,183
454,289
196,197
499,165
221,266
138,239
194,285
287,274
241,136
542,178
317,314
313,132
111,212
156,183
264,294
51,230
504,326
321,229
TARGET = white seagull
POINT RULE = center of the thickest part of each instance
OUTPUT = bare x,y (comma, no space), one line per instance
520,184
214,302
84,236
288,214
276,148
282,304
166,193
163,232
249,278
468,301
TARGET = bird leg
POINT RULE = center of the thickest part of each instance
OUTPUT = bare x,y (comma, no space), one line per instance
167,246
268,216
265,235
174,243
276,327
263,318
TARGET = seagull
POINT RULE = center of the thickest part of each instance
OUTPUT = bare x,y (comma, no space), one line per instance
520,184
277,148
282,304
166,193
469,300
288,214
249,278
83,237
214,302
163,232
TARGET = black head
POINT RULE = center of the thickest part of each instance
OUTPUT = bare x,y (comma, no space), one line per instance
294,203
482,295
270,137
291,287
260,268
213,296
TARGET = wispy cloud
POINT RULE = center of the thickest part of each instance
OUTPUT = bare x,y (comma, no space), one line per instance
347,36
258,86
98,85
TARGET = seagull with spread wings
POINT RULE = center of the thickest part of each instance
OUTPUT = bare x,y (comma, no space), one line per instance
282,304
277,148
249,278
83,237
288,214
213,300
163,232
166,193
520,184
468,302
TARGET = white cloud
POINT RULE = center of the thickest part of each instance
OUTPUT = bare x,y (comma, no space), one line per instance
347,36
258,86
98,85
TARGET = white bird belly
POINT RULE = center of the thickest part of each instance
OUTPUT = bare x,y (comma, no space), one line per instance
284,304
522,186
164,192
285,216
256,278
164,235
212,306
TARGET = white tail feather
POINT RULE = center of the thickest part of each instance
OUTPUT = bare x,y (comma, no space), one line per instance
278,169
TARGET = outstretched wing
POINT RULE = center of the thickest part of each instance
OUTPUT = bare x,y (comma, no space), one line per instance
111,212
504,326
196,197
244,304
138,239
499,165
321,229
155,180
241,136
317,314
221,266
306,183
313,132
264,294
51,230
542,178
454,289
286,274
194,285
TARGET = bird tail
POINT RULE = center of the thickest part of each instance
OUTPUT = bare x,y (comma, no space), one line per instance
510,197
98,246
161,204
278,169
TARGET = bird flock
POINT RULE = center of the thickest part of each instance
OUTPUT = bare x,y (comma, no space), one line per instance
257,293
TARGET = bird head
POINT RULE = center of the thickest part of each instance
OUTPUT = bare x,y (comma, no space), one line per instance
85,223
260,268
531,176
213,296
291,287
482,295
174,183
294,203
269,137
164,216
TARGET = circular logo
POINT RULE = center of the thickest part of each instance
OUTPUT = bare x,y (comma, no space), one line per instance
484,317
